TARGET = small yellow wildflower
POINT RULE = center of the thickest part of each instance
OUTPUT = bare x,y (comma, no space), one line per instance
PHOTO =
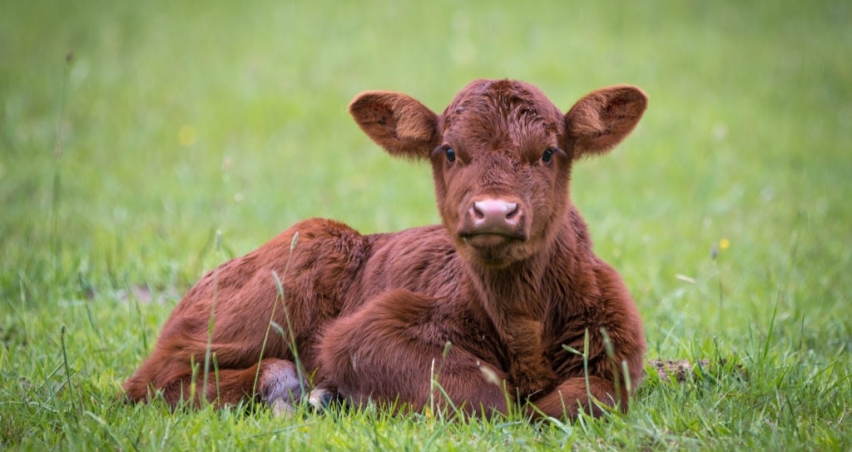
187,135
724,244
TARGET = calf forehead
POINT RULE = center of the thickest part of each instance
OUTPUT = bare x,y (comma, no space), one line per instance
501,114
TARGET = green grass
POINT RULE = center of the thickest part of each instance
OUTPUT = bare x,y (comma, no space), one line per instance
108,212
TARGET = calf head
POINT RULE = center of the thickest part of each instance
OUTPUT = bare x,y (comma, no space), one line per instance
501,157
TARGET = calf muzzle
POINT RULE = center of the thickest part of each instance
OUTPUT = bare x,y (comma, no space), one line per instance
494,216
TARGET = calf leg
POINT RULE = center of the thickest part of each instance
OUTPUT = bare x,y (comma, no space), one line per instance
571,397
277,382
295,288
394,352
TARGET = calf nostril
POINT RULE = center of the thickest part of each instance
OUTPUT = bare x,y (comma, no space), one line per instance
512,210
477,212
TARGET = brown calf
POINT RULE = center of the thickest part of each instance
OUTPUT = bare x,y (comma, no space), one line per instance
493,306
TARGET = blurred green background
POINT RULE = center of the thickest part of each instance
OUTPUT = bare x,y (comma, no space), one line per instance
131,132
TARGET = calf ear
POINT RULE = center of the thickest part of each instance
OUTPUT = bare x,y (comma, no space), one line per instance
601,119
396,122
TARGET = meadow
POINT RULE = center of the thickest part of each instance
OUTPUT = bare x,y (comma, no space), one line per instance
144,143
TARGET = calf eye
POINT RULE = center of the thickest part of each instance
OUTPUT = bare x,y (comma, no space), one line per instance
451,155
547,156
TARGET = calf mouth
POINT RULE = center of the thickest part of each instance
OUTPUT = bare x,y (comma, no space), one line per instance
486,241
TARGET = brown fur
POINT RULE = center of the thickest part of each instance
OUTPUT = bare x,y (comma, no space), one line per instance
479,307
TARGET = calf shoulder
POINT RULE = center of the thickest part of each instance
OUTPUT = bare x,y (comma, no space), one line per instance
421,260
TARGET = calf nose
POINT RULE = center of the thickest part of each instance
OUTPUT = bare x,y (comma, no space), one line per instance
495,216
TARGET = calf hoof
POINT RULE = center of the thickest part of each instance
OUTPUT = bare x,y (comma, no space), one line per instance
282,408
320,398
279,384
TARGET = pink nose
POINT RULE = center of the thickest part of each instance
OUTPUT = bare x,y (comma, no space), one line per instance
495,216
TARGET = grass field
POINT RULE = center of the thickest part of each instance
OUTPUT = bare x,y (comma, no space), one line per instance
142,143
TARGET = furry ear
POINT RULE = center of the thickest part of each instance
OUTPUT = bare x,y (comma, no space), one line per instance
601,119
396,122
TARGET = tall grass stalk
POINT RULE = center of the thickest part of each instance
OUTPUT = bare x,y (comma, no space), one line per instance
56,188
585,355
211,322
68,383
